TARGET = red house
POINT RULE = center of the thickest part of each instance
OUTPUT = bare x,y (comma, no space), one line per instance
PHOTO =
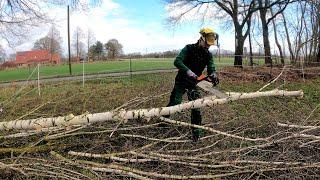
37,56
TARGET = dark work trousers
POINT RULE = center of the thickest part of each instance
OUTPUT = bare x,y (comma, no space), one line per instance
193,93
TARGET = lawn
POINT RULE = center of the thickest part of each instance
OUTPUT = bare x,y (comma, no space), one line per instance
95,67
90,68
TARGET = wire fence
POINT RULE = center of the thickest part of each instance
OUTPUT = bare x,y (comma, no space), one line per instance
127,67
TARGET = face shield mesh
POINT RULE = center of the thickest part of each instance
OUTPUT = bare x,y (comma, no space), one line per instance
211,38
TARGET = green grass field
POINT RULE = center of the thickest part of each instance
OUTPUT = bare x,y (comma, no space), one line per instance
91,68
98,67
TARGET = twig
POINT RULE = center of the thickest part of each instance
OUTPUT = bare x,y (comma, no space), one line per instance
117,171
308,136
312,111
155,139
107,156
33,132
98,167
194,150
183,163
212,130
175,157
100,132
296,126
169,176
272,80
59,175
63,134
307,143
121,121
32,111
32,145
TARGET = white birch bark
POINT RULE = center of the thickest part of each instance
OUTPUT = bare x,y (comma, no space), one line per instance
134,114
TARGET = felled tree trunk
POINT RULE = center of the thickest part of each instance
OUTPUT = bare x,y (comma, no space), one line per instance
135,114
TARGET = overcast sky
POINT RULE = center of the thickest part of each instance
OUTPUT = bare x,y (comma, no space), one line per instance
140,26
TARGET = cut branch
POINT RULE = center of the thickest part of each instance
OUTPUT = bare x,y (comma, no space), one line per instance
136,114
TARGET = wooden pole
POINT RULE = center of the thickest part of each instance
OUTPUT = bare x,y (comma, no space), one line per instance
69,53
83,72
39,80
130,66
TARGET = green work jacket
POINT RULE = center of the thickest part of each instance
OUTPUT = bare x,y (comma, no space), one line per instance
195,58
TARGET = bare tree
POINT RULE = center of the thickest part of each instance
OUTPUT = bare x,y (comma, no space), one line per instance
46,43
301,25
239,12
3,54
18,16
78,36
317,31
90,40
318,55
51,42
276,38
56,40
286,28
82,50
264,7
299,30
312,30
249,28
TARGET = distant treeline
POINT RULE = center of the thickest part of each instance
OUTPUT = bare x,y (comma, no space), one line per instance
169,54
165,54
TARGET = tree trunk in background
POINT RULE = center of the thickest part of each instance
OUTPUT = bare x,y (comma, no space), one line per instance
318,56
232,8
77,48
250,42
307,57
239,50
317,42
276,39
299,37
313,33
265,33
288,38
250,49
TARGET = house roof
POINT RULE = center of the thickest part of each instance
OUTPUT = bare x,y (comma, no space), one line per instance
25,57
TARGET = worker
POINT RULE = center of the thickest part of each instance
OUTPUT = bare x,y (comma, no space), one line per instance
191,62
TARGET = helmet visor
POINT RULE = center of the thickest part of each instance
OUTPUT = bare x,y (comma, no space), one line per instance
211,39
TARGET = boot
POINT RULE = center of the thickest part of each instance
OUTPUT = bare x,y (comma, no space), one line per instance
197,134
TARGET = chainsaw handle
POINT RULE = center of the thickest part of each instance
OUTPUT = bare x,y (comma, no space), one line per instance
206,78
203,78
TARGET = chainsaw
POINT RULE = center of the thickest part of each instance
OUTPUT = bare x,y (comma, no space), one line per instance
205,83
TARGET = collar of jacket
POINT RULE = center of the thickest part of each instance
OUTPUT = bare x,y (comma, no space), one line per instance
200,47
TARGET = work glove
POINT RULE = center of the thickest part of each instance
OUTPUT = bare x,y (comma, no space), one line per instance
191,75
214,79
